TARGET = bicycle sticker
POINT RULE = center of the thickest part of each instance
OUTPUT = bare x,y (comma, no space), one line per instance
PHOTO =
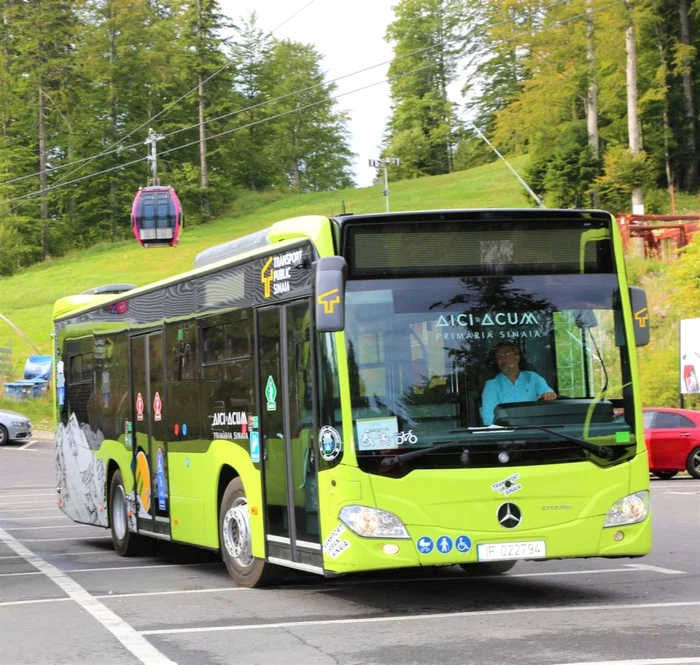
406,437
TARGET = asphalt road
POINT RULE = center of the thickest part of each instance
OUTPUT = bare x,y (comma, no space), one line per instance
65,597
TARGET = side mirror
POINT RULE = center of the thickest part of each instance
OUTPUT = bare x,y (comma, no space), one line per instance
640,315
329,293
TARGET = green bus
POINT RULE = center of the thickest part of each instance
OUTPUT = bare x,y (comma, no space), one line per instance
311,396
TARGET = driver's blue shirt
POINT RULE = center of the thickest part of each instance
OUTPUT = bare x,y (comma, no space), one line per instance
501,390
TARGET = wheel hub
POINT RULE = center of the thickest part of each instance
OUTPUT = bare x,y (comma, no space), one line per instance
119,512
236,532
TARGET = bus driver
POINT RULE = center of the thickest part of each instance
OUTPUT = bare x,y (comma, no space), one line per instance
512,384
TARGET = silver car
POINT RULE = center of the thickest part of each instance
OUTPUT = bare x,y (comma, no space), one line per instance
14,427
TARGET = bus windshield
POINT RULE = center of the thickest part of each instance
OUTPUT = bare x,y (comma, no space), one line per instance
421,352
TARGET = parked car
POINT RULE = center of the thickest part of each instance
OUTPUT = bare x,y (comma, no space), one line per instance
14,427
673,441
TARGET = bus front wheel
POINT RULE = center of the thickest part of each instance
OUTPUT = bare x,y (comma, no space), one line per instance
236,540
126,543
487,567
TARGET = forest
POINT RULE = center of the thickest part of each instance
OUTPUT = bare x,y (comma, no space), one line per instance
602,95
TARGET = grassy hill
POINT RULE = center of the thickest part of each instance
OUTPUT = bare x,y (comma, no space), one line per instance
27,298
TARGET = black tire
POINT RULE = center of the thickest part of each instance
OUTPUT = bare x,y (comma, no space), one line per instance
487,567
665,475
4,436
235,541
126,543
693,464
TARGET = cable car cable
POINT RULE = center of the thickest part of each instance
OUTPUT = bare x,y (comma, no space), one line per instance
213,136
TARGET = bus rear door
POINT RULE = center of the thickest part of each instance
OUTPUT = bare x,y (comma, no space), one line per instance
149,446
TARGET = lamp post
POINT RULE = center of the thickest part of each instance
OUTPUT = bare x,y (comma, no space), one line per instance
385,161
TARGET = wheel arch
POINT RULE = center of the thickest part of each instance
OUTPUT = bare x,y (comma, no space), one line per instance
112,467
226,474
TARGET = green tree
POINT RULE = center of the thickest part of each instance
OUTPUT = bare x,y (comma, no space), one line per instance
564,175
201,62
428,42
249,153
674,294
310,137
39,44
126,55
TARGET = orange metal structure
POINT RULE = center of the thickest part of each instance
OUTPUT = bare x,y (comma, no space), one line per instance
663,235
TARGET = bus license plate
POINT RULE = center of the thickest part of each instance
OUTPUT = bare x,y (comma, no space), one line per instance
530,549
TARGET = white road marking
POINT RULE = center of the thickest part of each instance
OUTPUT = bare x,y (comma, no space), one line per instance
26,445
141,594
34,602
28,503
551,573
39,517
52,526
643,661
53,540
130,638
631,569
138,594
152,565
655,569
684,493
418,617
127,567
52,554
27,510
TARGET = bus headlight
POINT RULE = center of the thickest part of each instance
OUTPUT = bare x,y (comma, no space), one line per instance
629,510
372,522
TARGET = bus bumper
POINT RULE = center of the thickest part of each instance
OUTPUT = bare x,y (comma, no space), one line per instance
583,538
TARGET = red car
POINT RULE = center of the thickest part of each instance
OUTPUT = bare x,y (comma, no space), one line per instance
673,441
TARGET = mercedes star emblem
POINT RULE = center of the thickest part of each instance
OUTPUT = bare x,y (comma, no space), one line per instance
509,515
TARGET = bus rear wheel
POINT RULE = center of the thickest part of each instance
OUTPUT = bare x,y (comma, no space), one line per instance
236,541
487,567
126,543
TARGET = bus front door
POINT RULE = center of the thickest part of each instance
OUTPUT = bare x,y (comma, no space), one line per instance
149,441
287,386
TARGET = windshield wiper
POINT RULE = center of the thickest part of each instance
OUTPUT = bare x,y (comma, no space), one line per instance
390,462
602,451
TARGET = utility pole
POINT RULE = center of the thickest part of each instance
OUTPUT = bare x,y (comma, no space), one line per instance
151,140
376,163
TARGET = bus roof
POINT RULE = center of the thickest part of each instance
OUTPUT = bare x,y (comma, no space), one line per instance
317,229
476,214
311,227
